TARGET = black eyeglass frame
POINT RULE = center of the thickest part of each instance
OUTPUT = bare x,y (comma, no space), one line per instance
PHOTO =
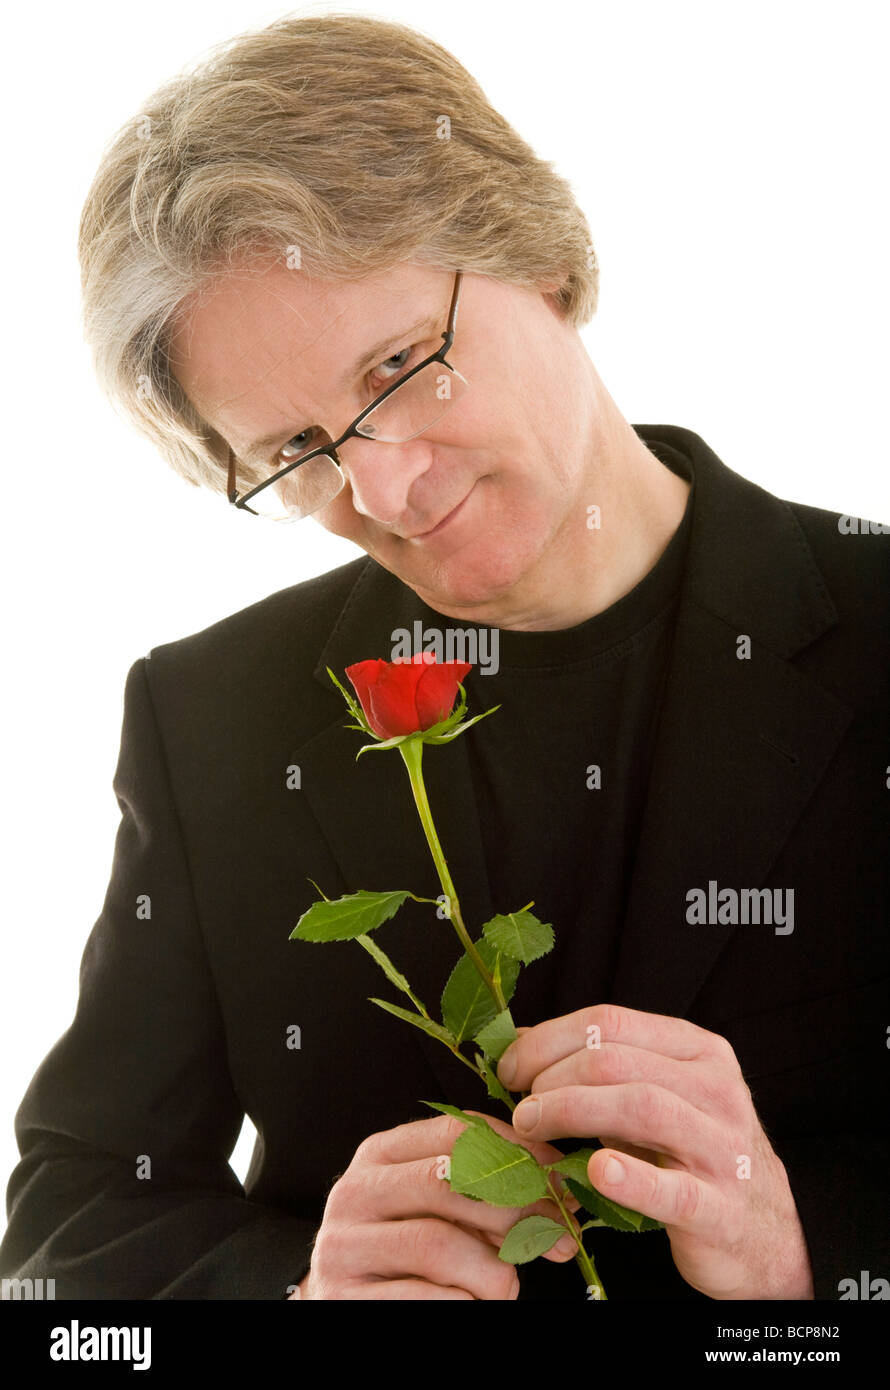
331,449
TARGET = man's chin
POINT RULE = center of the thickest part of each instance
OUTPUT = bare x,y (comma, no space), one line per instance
461,587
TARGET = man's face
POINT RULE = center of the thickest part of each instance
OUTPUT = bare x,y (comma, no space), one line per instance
273,354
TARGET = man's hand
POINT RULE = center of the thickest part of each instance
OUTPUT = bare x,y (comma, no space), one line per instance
668,1101
393,1229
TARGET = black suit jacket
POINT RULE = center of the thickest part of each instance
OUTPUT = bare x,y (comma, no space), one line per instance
768,772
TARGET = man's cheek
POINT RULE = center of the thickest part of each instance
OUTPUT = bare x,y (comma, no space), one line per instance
340,517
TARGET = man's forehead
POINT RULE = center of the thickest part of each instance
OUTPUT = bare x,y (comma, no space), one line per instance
237,340
243,312
274,297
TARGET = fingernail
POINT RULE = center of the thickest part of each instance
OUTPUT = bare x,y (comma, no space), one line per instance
613,1171
528,1113
507,1068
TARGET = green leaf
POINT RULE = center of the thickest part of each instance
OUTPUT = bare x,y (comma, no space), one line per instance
435,1030
417,735
467,1005
355,708
450,720
458,1114
574,1165
529,1238
485,1166
461,728
495,1089
342,919
520,936
611,1213
383,743
386,965
589,1199
496,1036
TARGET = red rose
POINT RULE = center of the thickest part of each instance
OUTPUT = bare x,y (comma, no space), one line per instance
405,697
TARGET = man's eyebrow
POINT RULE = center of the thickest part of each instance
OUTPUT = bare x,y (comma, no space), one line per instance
256,452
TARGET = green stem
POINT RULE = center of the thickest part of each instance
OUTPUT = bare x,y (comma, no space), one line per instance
583,1260
412,753
421,1008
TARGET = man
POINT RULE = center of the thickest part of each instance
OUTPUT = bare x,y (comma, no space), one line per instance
686,772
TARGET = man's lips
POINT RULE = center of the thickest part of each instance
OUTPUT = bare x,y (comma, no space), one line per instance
440,526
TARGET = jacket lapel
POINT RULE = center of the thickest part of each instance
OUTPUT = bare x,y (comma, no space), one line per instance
742,743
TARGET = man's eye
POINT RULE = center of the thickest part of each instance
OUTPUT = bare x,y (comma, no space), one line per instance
391,366
296,445
300,443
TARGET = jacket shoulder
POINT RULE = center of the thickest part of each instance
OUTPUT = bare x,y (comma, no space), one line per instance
303,612
854,563
240,681
852,658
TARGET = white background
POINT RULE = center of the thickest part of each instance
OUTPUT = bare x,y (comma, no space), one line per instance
731,159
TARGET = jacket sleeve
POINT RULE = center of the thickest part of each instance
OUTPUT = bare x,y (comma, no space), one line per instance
123,1187
837,1167
839,1182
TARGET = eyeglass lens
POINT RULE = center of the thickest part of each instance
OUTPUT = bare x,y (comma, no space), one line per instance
417,404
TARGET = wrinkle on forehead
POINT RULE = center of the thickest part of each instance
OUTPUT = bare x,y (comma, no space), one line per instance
182,338
246,295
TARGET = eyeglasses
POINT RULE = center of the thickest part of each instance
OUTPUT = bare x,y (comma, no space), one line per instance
404,410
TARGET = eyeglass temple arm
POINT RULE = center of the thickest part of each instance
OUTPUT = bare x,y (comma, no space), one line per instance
231,490
452,311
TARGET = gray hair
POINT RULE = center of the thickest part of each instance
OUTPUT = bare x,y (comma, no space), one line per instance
359,141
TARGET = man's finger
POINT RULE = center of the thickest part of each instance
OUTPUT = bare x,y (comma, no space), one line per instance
415,1139
710,1084
673,1196
548,1042
411,1191
640,1114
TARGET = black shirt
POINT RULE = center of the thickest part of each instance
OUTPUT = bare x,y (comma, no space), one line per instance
560,775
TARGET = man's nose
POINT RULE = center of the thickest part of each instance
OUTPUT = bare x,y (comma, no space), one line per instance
381,475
